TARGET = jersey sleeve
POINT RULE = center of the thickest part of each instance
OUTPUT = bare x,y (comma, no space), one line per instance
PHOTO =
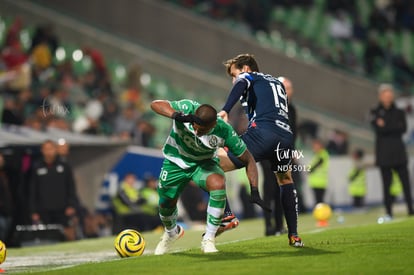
245,77
232,141
186,106
235,94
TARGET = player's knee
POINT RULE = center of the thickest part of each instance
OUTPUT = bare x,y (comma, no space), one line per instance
215,182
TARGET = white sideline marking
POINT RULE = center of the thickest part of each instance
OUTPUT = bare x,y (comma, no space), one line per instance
54,261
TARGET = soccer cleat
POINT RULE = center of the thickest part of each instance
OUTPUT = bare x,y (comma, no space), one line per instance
227,223
166,241
295,241
208,246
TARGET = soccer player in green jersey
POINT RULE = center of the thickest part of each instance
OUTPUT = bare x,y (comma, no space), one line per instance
190,153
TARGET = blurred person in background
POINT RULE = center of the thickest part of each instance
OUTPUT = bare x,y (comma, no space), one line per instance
373,57
143,133
126,122
11,113
52,195
15,59
338,143
126,203
390,124
149,207
318,173
357,187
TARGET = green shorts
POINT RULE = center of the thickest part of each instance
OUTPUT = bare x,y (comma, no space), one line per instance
174,179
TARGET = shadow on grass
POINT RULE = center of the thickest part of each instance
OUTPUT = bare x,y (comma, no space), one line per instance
224,255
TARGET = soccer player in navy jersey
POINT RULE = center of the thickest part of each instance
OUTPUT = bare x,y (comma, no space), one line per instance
269,136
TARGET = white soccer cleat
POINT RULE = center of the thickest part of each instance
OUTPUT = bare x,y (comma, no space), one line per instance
166,241
208,246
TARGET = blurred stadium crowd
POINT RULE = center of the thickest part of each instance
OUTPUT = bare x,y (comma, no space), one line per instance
374,38
44,84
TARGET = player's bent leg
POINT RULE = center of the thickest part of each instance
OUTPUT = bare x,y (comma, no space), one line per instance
227,163
290,207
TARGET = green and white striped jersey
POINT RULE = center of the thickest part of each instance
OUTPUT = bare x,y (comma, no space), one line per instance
184,148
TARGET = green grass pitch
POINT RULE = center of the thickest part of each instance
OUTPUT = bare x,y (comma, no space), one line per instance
354,245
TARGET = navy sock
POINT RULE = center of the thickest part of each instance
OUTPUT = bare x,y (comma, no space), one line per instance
290,207
227,209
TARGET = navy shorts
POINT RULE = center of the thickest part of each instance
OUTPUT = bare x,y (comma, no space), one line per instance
264,144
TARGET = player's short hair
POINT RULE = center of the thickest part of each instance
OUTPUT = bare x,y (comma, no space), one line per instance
241,60
207,113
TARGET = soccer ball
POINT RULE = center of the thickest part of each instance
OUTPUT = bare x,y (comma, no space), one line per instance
3,252
322,212
129,243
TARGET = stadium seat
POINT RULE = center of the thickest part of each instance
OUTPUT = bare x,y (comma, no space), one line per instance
322,35
385,73
407,46
291,48
117,71
306,55
297,19
309,28
277,40
3,29
279,14
263,39
364,10
26,36
358,49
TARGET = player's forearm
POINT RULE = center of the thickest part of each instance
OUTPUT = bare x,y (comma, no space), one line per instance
252,174
162,107
251,168
235,94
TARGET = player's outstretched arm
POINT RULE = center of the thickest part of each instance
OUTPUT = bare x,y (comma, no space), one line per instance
164,108
252,175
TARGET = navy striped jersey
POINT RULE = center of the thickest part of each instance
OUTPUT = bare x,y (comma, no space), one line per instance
265,101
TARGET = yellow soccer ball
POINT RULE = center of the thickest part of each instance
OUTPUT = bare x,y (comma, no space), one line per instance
3,252
322,212
129,243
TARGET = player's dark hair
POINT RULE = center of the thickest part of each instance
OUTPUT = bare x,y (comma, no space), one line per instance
241,60
207,113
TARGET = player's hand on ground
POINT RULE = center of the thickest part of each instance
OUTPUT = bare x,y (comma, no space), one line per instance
180,117
255,198
224,115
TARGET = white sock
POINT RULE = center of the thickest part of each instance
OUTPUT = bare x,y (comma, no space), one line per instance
172,232
210,232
